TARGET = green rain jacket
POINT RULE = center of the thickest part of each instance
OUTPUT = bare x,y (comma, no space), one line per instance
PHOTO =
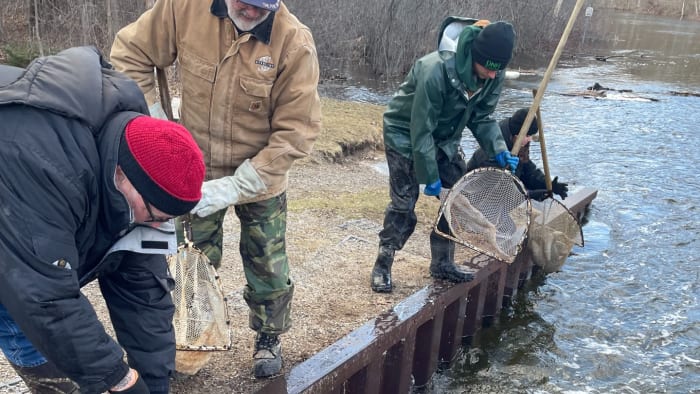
433,106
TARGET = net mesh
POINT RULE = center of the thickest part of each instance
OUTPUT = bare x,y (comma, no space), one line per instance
487,210
553,232
201,316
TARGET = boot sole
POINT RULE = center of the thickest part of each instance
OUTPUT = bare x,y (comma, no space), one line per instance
267,368
382,289
452,277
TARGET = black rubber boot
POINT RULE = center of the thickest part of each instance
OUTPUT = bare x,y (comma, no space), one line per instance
442,264
380,281
46,379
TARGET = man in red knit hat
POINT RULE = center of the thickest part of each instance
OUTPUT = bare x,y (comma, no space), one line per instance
88,188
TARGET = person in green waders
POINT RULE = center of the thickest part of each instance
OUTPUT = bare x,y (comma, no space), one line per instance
446,91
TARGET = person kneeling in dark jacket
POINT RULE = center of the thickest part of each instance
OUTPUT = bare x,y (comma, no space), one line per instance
89,185
527,171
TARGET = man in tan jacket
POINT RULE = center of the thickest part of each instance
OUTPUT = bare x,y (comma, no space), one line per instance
249,74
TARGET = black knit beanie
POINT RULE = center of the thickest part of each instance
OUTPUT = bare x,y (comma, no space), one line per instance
516,122
493,47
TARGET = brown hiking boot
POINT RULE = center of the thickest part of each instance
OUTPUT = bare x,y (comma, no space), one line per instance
267,359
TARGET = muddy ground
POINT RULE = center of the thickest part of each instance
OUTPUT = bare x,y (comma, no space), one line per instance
336,203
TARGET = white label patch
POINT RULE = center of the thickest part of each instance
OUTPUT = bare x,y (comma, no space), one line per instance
264,63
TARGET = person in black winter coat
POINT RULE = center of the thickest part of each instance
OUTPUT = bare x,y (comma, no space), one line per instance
88,188
527,171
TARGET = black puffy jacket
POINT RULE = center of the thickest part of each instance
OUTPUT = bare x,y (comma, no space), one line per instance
59,208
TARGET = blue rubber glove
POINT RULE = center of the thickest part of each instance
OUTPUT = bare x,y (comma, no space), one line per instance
433,189
506,159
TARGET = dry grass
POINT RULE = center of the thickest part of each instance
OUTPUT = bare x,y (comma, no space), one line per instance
348,128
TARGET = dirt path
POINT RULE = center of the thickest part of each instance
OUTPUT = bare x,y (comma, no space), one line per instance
334,217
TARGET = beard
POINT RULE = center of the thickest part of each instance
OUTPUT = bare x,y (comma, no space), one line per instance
246,24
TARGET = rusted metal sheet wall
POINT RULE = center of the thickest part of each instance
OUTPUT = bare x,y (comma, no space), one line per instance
406,345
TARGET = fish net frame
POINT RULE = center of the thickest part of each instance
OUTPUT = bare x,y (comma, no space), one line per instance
487,210
201,318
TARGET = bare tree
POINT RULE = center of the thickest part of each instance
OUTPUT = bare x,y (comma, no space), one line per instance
557,8
36,28
387,36
682,9
110,19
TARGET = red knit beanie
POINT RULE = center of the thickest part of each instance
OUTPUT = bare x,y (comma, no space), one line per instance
163,162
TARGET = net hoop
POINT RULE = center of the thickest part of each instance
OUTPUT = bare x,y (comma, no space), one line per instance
487,210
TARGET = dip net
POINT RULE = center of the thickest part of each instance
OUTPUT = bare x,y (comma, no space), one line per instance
488,211
553,232
201,316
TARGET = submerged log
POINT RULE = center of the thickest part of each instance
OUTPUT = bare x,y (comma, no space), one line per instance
684,94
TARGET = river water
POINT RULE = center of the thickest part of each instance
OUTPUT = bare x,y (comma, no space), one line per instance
623,314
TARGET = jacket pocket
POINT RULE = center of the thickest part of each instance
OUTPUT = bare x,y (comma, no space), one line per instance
256,95
196,66
57,262
57,253
198,77
253,109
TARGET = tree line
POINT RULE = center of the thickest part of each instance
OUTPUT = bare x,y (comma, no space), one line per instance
386,35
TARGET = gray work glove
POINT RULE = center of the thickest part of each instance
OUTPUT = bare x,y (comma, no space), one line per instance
244,185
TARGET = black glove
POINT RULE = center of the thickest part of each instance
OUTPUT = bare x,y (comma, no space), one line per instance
560,188
139,387
538,194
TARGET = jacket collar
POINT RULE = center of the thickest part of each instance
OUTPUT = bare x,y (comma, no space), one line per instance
261,32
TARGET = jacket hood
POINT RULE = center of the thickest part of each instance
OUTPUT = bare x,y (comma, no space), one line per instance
70,84
9,74
448,36
454,47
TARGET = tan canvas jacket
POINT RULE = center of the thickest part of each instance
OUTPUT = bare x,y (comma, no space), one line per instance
241,97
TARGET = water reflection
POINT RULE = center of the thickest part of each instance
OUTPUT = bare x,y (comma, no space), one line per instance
653,48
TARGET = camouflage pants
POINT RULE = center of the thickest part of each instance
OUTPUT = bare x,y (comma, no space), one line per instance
269,289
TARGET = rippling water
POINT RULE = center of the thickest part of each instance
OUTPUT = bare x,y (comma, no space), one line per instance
623,314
